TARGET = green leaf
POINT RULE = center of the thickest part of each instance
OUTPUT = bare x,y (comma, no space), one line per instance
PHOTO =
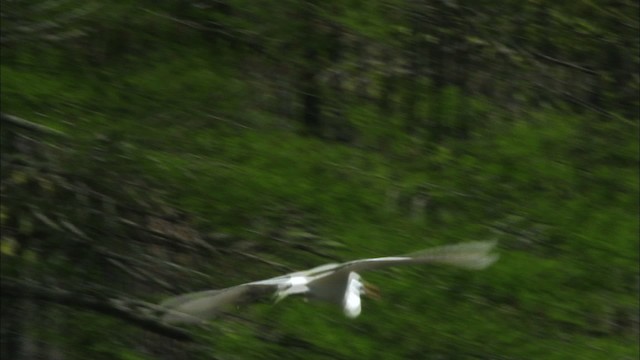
8,246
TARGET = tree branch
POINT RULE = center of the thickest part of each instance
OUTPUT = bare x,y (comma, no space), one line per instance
564,63
25,124
134,312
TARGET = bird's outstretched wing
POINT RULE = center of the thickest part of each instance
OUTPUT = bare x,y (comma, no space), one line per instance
204,305
197,307
472,255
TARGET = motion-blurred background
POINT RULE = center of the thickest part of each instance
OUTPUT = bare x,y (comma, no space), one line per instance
157,147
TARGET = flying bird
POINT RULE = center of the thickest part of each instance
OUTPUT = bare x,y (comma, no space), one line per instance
340,284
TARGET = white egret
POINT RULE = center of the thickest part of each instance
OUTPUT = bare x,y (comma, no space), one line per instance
339,284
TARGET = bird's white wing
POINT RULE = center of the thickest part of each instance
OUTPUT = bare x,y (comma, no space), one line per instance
472,255
200,306
326,281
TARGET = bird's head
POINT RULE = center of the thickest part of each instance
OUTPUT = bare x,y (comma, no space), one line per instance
362,287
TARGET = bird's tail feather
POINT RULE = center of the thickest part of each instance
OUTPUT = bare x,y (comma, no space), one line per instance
472,255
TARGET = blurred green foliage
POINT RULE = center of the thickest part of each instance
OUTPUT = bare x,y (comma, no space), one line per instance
435,123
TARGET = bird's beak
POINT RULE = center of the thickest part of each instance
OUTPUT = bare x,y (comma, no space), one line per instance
372,291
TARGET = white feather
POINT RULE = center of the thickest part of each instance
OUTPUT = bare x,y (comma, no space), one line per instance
335,283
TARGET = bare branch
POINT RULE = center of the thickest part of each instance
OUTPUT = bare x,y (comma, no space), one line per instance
134,312
564,63
25,124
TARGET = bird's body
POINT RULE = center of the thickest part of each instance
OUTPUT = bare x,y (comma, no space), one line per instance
339,284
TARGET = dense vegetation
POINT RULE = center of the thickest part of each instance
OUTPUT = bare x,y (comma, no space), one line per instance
156,147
